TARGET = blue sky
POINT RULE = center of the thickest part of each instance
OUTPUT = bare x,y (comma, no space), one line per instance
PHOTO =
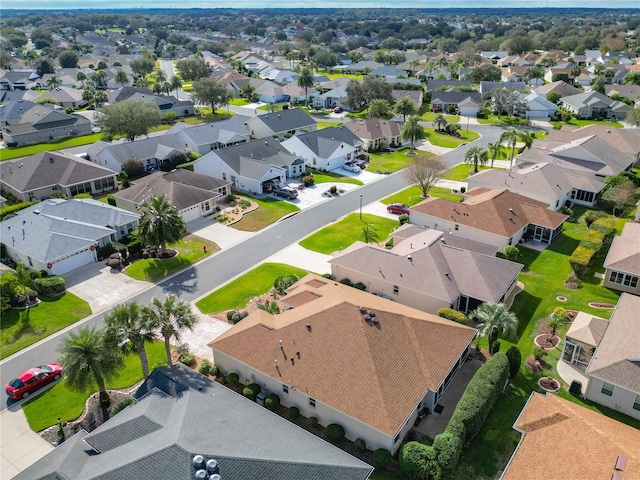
61,4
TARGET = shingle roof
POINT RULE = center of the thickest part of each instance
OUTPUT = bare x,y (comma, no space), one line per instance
224,131
179,414
562,87
286,120
141,149
583,443
587,329
326,141
14,109
46,169
374,128
41,117
488,210
375,374
455,96
622,140
617,358
624,253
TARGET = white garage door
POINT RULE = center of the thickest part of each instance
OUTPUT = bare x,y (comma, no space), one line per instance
72,262
469,111
191,213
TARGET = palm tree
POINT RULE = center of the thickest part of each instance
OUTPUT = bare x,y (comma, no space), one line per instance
53,82
168,318
89,94
497,319
414,65
576,70
121,77
554,322
476,155
533,73
440,122
370,233
160,75
166,87
632,78
100,97
81,77
158,88
248,91
493,150
404,107
512,136
88,359
378,108
176,84
306,80
126,328
160,223
413,131
99,77
30,56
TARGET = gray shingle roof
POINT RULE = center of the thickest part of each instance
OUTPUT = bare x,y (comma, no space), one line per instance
324,142
224,131
287,120
195,415
140,149
14,109
41,117
455,96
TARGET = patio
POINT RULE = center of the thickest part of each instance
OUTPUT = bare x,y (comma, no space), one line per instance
435,423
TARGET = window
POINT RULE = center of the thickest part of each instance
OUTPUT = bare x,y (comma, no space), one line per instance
624,279
312,403
397,439
607,389
396,289
285,388
224,176
636,403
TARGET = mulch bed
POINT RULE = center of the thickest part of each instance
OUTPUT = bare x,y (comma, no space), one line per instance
546,341
534,365
549,384
481,355
571,315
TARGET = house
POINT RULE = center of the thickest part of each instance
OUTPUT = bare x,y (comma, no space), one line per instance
582,443
416,96
614,370
326,149
66,97
363,66
151,151
388,72
292,121
494,55
622,265
123,93
183,425
205,137
14,109
18,79
466,103
496,217
488,87
594,105
582,338
514,60
41,174
41,124
618,138
631,92
166,104
376,133
348,357
254,167
537,106
61,235
560,86
332,98
462,274
545,182
193,194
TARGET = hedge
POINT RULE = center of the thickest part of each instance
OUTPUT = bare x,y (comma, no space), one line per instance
381,458
272,402
233,379
334,432
454,315
251,391
580,259
417,460
53,285
9,211
294,412
515,359
599,229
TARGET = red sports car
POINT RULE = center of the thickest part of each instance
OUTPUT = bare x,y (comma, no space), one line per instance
398,208
32,380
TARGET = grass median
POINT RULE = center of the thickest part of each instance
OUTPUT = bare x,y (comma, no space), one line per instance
11,153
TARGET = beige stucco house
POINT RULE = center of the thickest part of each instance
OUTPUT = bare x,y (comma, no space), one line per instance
622,265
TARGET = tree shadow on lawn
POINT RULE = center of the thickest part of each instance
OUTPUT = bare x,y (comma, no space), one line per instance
523,306
563,245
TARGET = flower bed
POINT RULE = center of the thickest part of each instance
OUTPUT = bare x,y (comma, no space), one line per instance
549,384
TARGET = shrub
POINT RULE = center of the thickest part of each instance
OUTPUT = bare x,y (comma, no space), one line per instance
511,253
189,359
333,189
308,181
53,285
272,402
111,200
404,218
360,444
282,283
454,315
334,432
566,210
251,391
580,259
106,251
215,371
448,447
463,189
515,359
294,412
10,211
382,458
538,353
133,167
360,286
417,460
233,379
592,215
313,421
122,405
205,367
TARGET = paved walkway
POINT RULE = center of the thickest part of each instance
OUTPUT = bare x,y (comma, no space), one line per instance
569,372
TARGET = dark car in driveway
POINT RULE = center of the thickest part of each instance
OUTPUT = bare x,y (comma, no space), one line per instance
287,192
28,382
398,208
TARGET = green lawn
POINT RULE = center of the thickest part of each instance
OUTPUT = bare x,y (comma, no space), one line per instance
411,195
462,171
340,235
18,332
390,162
61,402
326,124
328,177
9,153
269,211
581,123
429,116
447,141
189,251
237,293
239,102
503,120
543,276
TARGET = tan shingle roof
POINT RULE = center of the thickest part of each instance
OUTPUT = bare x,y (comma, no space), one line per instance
624,254
564,440
587,329
624,141
617,358
376,374
374,128
489,210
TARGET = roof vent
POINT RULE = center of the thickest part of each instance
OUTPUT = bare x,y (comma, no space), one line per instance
511,209
198,462
621,463
50,159
212,465
363,310
215,476
37,212
201,475
372,314
309,326
375,321
409,257
367,317
266,143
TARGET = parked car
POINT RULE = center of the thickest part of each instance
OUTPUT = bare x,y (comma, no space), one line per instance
398,208
352,167
33,379
287,192
337,109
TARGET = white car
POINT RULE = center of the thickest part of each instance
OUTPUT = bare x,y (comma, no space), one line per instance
352,168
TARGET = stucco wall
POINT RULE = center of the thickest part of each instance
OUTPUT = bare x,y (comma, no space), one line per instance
621,401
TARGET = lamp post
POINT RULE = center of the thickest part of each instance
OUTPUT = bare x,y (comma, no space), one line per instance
360,207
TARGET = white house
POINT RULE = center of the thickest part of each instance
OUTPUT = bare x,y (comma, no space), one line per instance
326,149
538,106
292,121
